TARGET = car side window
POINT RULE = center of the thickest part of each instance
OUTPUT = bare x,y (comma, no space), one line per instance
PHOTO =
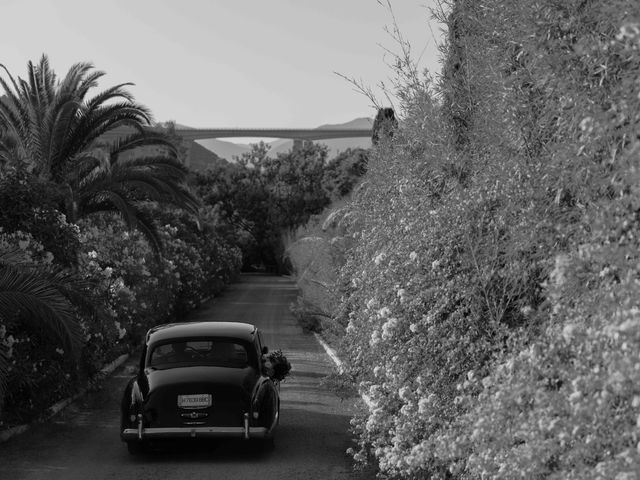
261,344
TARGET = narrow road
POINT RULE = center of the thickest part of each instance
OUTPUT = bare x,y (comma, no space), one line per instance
83,441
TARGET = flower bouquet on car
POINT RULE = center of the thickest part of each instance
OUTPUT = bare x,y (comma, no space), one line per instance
279,365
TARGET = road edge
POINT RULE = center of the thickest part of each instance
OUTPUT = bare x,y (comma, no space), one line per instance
340,366
60,405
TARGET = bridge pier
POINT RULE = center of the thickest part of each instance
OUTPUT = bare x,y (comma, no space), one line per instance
299,143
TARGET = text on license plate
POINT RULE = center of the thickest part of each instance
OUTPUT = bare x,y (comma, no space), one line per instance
194,401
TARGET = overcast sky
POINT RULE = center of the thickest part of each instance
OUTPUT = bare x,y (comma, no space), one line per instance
224,63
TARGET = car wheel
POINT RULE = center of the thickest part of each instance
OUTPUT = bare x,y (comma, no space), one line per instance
136,447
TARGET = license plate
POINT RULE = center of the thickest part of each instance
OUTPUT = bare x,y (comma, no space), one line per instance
194,401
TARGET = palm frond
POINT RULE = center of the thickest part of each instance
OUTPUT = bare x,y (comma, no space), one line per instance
33,295
13,256
111,93
153,178
42,298
91,125
143,222
143,139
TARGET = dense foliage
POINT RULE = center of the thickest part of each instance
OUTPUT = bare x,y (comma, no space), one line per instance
52,130
267,198
99,241
487,265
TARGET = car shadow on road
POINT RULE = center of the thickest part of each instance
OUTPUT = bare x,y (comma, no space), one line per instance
305,436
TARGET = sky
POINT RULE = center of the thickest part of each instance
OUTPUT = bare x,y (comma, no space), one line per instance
226,63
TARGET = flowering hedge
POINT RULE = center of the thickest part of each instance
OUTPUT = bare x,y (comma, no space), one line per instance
35,365
489,290
133,289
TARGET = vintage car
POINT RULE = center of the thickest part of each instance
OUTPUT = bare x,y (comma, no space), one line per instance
201,380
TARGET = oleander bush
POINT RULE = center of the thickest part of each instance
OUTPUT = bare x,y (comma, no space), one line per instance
30,204
489,289
35,364
133,289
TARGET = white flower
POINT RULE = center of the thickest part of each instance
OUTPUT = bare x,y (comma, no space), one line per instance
413,328
388,328
92,254
423,405
413,256
384,312
575,396
569,331
121,331
59,351
379,258
403,393
557,275
526,310
401,295
586,125
628,31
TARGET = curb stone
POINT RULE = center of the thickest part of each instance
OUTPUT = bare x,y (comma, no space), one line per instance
334,356
62,404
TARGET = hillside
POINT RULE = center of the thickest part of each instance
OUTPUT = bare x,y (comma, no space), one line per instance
201,158
224,149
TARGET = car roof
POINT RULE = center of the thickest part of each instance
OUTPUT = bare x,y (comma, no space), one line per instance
241,331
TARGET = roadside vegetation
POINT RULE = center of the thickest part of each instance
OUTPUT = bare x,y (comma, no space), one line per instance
101,240
266,199
482,279
98,241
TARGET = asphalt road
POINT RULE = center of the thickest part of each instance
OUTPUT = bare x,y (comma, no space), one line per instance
83,443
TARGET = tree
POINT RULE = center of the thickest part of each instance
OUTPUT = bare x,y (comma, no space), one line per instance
344,171
268,197
52,129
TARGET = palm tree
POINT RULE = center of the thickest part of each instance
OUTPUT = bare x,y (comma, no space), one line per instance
43,297
53,129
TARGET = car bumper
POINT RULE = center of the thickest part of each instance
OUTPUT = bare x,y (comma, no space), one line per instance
129,434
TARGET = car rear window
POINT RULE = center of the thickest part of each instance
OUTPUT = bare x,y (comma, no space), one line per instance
214,352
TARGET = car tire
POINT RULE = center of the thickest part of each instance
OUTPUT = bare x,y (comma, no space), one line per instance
136,447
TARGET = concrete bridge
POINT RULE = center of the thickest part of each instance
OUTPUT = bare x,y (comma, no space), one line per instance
291,133
298,135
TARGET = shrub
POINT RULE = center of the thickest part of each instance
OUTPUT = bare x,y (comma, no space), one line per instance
28,204
488,290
